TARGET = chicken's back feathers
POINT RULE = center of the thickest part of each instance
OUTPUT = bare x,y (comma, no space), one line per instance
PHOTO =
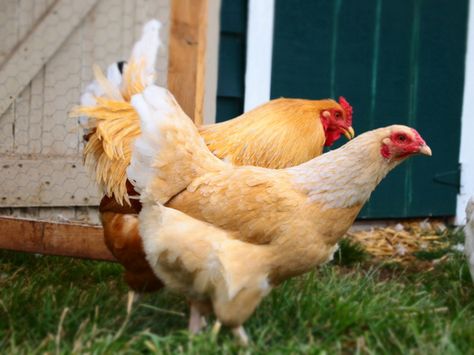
278,134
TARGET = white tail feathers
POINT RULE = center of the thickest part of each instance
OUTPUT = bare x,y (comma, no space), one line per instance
114,75
146,50
157,101
143,54
147,146
94,89
169,153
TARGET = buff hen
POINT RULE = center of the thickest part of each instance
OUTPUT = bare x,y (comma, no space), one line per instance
230,234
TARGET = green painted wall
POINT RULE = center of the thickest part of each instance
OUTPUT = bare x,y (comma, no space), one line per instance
232,52
396,62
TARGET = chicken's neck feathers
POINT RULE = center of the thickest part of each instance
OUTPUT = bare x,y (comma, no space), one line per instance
346,176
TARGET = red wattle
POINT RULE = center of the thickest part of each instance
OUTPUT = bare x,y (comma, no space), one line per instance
331,137
385,151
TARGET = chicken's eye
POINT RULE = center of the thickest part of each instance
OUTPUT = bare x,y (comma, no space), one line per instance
402,138
338,114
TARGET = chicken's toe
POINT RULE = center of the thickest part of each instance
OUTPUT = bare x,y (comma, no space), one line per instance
241,335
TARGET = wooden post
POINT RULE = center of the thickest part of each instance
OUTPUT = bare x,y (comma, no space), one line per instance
68,239
187,48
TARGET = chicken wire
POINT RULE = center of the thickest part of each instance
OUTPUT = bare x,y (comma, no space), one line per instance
40,146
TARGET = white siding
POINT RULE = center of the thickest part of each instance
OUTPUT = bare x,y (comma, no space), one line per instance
466,156
259,53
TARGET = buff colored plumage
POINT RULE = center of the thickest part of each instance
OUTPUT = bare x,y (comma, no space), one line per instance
196,258
277,134
266,135
287,221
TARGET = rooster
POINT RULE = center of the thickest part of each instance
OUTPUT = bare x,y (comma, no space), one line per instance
278,134
227,235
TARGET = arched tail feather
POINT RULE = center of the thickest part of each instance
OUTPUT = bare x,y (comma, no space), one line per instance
169,153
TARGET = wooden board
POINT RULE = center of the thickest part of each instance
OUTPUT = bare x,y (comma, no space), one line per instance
81,241
38,141
187,46
30,56
78,214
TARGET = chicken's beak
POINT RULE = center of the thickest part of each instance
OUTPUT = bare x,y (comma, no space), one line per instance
425,150
348,132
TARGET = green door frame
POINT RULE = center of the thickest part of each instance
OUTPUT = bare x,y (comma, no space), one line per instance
253,81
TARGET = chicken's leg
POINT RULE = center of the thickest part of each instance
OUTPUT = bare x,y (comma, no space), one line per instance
195,323
197,320
216,328
136,296
241,335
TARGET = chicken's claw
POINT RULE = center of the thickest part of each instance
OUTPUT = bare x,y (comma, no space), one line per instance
216,328
241,335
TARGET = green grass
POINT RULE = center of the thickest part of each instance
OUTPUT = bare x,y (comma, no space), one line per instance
64,305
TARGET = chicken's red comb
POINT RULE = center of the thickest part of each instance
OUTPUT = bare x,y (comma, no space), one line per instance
346,106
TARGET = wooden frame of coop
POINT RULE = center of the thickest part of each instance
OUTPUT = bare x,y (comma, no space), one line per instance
186,76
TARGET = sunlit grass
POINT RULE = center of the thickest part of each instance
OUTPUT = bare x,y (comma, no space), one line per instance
64,305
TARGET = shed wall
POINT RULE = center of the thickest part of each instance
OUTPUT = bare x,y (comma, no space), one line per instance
40,146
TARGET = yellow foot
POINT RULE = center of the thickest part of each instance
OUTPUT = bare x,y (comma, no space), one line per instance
132,298
216,328
203,322
241,335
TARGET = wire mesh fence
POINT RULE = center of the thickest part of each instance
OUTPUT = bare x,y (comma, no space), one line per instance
47,52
